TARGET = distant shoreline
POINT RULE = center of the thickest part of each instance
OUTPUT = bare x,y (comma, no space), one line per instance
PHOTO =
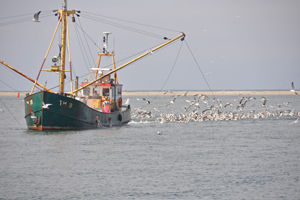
143,93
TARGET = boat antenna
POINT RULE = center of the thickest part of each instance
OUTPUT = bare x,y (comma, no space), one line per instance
65,5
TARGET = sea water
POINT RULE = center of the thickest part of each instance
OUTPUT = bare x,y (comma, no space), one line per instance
243,159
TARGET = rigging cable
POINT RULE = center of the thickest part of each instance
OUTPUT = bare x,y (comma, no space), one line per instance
10,86
9,111
22,77
86,41
124,27
48,14
87,35
79,42
199,68
134,22
169,74
47,11
203,76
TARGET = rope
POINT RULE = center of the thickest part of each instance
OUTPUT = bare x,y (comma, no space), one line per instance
202,74
87,35
47,11
124,27
134,22
10,112
169,74
86,41
80,43
19,76
46,79
199,68
10,86
26,19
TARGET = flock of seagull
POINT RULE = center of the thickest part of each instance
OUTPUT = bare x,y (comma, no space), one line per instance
202,108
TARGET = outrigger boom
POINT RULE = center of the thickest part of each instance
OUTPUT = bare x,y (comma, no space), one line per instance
128,63
10,67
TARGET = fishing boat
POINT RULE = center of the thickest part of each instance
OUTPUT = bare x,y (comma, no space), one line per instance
96,103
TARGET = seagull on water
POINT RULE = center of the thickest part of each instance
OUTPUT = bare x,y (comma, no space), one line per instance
159,133
293,89
46,106
36,17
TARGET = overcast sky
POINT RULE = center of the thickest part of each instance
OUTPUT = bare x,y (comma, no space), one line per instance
238,44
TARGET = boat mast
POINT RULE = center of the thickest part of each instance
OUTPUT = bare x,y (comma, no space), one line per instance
64,17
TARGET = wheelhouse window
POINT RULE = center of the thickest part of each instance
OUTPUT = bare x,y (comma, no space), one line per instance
86,91
105,92
96,92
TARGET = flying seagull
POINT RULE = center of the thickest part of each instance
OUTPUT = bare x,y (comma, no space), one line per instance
127,102
46,106
148,102
184,95
155,109
293,89
168,92
263,101
36,17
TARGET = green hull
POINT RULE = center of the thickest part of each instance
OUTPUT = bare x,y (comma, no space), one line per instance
68,113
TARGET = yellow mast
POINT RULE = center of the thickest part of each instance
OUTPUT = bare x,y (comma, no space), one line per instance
64,13
69,50
64,17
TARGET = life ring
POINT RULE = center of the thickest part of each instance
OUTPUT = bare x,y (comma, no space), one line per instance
120,101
